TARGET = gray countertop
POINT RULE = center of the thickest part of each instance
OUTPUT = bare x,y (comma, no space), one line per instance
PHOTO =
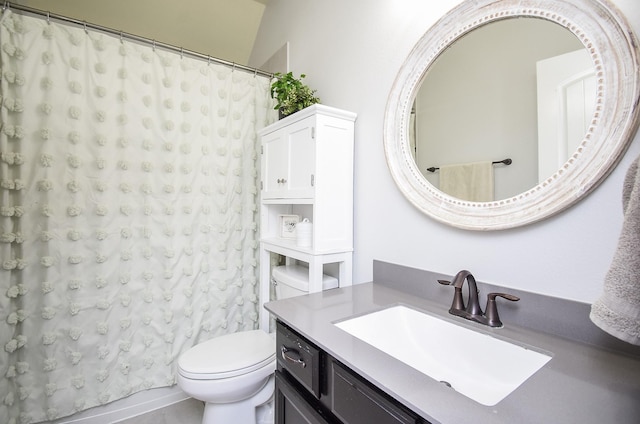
580,384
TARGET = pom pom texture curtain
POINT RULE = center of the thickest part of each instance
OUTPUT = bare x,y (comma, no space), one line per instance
128,213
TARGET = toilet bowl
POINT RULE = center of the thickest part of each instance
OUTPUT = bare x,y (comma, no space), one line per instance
233,374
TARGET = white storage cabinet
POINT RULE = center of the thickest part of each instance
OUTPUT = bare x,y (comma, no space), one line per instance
307,170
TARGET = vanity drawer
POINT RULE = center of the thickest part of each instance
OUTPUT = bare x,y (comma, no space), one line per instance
355,402
299,358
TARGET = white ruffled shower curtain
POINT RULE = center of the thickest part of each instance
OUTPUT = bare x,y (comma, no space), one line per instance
128,221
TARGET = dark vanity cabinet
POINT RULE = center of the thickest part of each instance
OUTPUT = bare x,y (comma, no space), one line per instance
314,388
298,385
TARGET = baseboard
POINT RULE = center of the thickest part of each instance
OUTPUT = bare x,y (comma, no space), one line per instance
129,407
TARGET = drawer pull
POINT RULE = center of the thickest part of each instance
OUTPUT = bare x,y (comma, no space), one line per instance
292,356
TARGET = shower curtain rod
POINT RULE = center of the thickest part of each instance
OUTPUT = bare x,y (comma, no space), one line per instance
137,38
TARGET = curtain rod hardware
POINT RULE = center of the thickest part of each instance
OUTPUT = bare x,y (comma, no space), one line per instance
506,161
48,18
7,4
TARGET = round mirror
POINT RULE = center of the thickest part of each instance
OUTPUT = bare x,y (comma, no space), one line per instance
503,114
485,98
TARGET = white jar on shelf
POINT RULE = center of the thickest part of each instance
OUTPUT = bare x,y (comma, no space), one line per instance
304,231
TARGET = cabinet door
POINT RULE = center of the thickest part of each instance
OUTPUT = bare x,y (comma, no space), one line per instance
356,402
291,407
275,167
302,160
288,162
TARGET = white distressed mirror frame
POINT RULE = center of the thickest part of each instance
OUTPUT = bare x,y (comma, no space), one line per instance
614,50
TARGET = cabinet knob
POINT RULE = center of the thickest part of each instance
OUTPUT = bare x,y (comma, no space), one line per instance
282,180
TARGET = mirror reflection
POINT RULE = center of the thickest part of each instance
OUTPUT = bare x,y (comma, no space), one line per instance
520,89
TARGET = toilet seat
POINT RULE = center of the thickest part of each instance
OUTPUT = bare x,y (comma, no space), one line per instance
228,356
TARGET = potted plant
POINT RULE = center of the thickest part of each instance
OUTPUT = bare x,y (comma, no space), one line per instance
291,94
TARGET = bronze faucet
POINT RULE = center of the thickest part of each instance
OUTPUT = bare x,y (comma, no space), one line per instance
473,311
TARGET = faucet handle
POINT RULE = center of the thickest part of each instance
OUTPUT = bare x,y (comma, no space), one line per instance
504,295
458,302
491,311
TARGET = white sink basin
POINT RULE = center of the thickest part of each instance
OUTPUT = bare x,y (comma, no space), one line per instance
477,365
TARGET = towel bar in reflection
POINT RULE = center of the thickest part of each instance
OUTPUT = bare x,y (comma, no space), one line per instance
506,161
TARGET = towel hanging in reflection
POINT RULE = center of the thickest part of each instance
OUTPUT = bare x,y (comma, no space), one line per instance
617,311
469,181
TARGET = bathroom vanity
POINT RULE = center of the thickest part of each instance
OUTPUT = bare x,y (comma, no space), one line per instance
314,387
326,375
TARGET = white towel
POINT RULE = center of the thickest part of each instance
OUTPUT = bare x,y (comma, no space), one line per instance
617,311
470,181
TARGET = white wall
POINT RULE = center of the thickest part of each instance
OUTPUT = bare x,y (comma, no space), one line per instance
220,28
351,52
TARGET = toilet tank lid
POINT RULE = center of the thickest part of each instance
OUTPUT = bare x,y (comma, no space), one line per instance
297,276
229,353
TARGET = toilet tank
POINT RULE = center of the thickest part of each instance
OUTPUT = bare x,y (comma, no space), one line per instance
293,280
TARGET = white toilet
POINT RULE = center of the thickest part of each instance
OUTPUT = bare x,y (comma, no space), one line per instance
233,374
